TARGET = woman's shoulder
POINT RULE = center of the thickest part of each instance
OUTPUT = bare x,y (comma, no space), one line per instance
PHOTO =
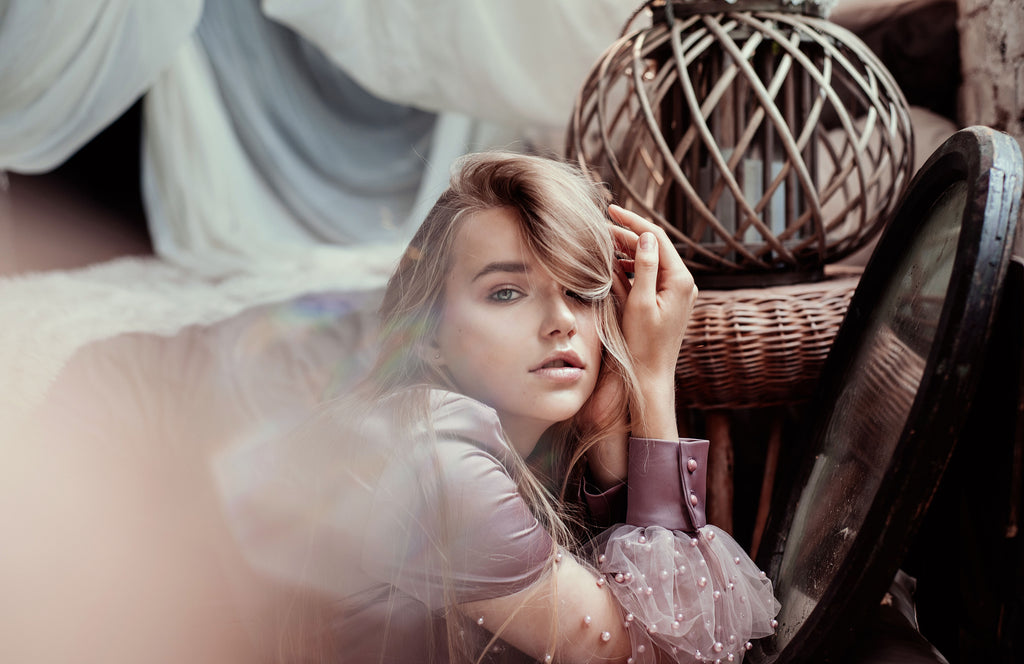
455,417
457,412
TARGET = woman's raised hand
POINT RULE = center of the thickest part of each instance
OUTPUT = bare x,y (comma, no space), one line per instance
656,309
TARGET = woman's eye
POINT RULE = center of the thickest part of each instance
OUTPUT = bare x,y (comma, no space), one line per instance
579,298
505,295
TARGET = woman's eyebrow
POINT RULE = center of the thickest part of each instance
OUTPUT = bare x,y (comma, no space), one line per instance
517,268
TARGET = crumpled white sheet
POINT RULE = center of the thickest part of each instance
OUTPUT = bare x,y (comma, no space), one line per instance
71,67
49,317
233,176
211,206
517,63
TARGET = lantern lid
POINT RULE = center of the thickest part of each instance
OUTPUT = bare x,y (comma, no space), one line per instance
819,8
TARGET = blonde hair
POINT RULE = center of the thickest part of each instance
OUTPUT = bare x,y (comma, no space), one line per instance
563,224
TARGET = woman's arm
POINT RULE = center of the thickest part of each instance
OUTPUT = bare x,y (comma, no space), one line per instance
656,309
569,616
575,612
666,588
654,318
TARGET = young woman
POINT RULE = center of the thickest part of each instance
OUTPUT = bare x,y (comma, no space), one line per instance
463,505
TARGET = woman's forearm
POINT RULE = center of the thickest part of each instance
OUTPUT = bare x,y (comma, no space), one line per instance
655,416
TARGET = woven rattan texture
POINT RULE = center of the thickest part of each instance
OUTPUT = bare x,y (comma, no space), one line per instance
760,347
760,141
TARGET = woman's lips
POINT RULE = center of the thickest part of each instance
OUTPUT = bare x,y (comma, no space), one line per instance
562,374
563,366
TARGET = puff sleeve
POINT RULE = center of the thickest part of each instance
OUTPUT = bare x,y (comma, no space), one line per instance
686,587
450,510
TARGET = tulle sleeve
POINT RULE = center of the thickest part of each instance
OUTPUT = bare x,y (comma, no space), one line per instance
686,588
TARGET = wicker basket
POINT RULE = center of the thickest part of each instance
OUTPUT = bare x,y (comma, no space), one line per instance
760,347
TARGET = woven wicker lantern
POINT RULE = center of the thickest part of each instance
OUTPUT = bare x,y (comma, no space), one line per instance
766,140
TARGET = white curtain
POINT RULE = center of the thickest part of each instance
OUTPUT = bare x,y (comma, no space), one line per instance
517,63
70,67
299,131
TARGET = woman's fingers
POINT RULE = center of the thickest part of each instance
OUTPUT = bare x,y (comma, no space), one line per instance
668,256
625,240
673,275
645,265
661,298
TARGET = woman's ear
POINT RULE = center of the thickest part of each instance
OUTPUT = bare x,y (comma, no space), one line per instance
430,353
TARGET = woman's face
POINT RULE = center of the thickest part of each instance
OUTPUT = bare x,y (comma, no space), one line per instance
510,336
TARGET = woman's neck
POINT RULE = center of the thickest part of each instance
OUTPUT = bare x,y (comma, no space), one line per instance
523,434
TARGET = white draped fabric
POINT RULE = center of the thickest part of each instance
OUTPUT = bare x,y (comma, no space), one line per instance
267,137
518,63
70,67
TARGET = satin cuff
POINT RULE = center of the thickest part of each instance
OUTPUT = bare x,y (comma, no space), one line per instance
667,483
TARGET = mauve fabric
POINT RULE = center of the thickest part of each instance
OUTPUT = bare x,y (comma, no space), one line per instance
454,501
663,491
374,520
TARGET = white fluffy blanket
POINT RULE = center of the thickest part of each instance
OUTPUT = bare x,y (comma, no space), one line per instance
48,317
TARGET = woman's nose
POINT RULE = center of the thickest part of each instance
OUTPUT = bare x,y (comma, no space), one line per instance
560,319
